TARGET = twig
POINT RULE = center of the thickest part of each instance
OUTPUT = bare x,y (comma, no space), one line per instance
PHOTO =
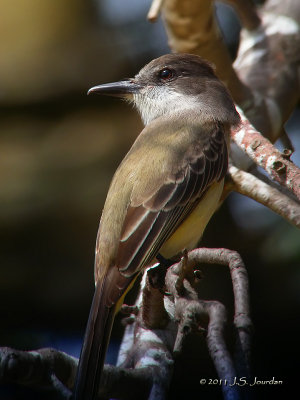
218,349
264,154
247,184
154,10
186,271
54,370
239,280
153,313
256,171
147,350
192,317
144,348
145,363
45,368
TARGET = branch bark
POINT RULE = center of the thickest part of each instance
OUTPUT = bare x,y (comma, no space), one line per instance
146,358
239,279
44,369
264,154
248,185
264,80
268,61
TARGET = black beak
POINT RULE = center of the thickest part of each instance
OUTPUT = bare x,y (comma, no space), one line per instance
118,89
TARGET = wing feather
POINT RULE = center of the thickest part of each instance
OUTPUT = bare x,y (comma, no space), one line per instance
149,225
154,213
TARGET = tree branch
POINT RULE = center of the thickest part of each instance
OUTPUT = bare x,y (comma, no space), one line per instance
45,368
50,369
145,363
247,184
218,350
268,61
264,154
239,280
264,80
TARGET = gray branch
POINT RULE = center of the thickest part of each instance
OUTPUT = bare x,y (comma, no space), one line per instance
150,345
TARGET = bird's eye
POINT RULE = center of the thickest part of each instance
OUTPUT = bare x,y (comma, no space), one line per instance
166,74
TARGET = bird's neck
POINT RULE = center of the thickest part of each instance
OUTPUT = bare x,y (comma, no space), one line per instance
172,105
168,105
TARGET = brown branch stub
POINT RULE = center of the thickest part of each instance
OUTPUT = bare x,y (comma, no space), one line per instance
249,185
154,10
153,313
286,153
192,317
186,271
264,154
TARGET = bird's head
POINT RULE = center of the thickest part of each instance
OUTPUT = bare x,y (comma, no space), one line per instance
175,85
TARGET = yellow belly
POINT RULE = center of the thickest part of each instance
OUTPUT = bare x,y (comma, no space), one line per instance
190,231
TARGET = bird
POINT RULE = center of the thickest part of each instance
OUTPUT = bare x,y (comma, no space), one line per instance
164,191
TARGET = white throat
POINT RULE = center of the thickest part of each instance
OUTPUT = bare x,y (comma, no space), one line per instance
153,102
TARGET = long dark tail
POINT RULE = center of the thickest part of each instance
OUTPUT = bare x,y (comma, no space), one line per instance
94,347
108,293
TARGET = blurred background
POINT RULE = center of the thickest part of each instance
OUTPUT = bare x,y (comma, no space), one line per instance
59,150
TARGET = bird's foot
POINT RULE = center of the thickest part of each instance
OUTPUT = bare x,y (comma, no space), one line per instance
157,274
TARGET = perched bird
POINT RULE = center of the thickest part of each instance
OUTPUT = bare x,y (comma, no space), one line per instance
163,193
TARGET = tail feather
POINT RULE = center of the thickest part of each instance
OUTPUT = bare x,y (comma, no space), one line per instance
108,292
94,348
